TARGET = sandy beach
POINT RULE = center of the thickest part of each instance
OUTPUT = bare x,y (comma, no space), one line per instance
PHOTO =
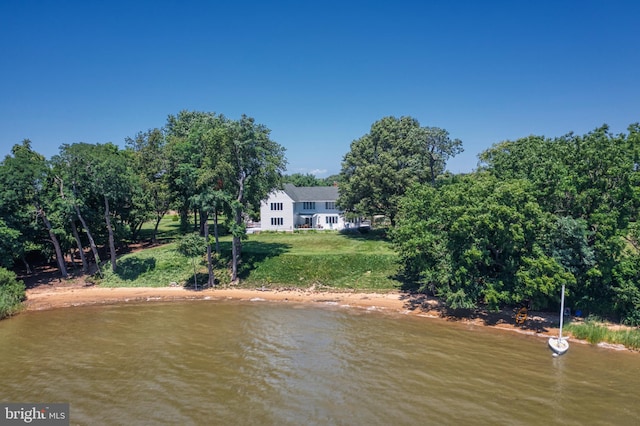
45,297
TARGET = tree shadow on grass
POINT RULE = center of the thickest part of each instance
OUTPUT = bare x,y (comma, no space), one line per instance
253,253
131,268
256,253
379,234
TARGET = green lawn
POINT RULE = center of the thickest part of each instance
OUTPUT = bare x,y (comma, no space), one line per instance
345,261
321,259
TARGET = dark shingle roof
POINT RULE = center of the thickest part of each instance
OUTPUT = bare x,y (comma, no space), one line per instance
311,193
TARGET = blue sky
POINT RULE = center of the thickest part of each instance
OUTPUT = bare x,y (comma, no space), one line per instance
318,74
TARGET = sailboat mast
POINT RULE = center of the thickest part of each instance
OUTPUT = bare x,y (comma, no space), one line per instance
561,312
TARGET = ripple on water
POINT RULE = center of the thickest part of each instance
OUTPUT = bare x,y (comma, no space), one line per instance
246,363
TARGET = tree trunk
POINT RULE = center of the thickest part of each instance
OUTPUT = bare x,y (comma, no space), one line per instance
154,236
83,258
215,230
209,257
195,219
236,248
26,265
92,243
204,219
184,219
54,240
234,260
135,230
112,244
72,259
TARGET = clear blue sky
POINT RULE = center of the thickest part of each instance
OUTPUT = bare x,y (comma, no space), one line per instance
318,74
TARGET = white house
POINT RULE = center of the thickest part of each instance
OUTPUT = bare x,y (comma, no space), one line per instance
312,207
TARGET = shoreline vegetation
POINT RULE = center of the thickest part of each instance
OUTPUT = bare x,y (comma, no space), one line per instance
294,268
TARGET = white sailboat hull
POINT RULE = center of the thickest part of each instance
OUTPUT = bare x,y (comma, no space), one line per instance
558,345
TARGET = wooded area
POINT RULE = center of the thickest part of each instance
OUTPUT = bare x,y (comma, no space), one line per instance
98,195
537,213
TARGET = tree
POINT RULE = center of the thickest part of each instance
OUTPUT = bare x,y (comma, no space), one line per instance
475,239
382,164
299,179
9,244
432,147
102,180
589,182
217,164
192,245
257,164
73,171
187,135
150,164
112,180
68,212
25,179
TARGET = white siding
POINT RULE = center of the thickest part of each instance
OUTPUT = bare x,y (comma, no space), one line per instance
269,219
318,215
312,214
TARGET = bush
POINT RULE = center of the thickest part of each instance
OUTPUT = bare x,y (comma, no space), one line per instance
12,293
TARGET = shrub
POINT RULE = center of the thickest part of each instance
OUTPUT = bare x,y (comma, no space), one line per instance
12,293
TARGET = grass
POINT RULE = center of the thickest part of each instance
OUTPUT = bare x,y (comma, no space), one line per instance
153,267
363,262
168,228
594,331
323,259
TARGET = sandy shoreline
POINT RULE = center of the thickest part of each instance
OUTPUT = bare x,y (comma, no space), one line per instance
46,297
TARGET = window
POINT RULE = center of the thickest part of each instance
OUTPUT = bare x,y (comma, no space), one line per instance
276,206
330,205
277,221
308,205
331,219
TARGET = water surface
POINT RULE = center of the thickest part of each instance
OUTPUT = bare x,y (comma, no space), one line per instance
210,362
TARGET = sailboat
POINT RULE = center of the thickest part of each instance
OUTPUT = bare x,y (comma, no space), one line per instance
559,345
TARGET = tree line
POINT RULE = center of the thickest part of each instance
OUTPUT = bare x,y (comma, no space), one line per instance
99,195
537,213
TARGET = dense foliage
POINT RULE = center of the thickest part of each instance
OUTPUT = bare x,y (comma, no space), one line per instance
299,179
94,198
381,165
12,293
540,213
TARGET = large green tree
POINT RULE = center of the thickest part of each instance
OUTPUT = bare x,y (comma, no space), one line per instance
149,161
479,240
257,166
103,185
592,182
381,165
73,173
188,135
26,185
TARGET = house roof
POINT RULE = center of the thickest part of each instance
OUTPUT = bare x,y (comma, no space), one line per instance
311,193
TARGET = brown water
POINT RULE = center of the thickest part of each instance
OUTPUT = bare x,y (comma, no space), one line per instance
279,364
